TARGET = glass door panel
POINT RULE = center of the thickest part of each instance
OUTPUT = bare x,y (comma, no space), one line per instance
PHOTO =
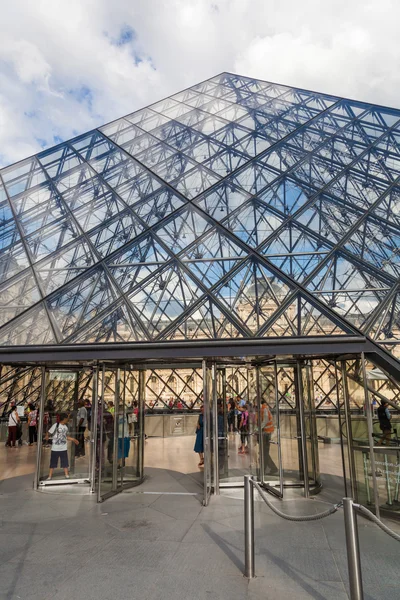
107,431
289,419
222,426
61,404
130,428
268,432
310,423
238,446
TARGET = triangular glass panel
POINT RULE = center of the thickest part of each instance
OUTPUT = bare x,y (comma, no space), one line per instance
163,298
302,319
253,223
59,161
73,178
182,229
378,243
23,176
93,146
351,291
212,257
115,233
136,189
222,200
295,251
52,238
386,326
225,162
16,295
389,207
254,178
81,301
287,196
98,210
139,260
328,219
158,206
32,328
206,321
13,257
195,182
253,293
116,326
64,265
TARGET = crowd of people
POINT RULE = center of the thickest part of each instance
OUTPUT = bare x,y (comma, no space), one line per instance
61,427
242,419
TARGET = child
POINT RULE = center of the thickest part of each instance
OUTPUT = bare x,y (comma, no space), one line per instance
59,448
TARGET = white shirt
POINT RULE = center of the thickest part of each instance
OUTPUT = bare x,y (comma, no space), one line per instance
82,414
12,419
59,434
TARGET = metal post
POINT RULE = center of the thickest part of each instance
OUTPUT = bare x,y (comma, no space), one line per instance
93,429
350,446
117,404
370,436
300,400
248,527
100,433
353,550
214,432
260,432
40,429
141,416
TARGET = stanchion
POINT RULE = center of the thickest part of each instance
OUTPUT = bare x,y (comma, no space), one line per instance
248,527
353,550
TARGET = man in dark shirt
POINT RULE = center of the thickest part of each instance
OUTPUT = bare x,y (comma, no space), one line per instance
384,417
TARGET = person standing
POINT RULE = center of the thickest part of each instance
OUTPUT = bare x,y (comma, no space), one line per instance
231,415
384,417
108,420
124,441
59,446
32,423
266,430
199,443
244,429
13,425
82,424
47,421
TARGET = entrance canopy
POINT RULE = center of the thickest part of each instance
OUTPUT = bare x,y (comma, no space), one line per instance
236,217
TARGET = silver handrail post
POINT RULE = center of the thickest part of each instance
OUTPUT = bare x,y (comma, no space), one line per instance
248,527
353,550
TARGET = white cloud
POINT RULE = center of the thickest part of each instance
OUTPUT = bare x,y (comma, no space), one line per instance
62,71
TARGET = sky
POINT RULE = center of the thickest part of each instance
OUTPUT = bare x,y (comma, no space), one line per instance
69,66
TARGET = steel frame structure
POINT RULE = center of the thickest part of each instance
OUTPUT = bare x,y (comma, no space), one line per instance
235,214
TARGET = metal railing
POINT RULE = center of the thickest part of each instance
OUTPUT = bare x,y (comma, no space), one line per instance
350,510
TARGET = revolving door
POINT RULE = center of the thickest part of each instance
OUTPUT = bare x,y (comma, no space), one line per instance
105,441
277,441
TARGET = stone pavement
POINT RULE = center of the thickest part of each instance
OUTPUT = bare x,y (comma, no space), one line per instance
160,546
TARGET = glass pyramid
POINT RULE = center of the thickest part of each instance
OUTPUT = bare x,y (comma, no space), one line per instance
236,208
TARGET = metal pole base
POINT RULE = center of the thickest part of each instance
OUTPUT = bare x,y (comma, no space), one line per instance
248,527
353,550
